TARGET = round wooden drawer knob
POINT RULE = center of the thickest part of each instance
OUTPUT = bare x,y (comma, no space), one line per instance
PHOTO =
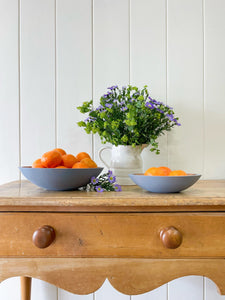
171,237
43,236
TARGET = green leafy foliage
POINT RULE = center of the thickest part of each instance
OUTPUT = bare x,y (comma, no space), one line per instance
128,116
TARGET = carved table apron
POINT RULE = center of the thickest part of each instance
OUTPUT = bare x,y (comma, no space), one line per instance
136,239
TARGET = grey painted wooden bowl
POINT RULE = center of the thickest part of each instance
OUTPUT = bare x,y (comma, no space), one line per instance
164,184
60,179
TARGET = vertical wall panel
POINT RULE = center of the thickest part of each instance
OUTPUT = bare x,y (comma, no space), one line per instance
43,291
74,71
185,94
211,292
10,289
157,294
148,60
214,89
37,87
148,67
186,288
109,293
9,91
64,295
185,83
111,48
37,78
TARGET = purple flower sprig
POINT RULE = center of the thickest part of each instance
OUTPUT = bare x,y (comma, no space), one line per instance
105,182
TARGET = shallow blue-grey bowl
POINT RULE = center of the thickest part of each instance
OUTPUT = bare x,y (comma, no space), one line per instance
60,179
164,184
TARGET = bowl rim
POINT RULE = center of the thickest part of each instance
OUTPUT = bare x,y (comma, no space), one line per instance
166,176
30,167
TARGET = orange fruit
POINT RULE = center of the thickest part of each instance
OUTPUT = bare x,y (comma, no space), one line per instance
165,171
160,171
37,164
82,155
51,159
61,151
68,160
61,167
80,165
89,162
177,173
151,171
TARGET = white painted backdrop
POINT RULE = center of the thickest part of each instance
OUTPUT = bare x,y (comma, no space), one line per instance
54,54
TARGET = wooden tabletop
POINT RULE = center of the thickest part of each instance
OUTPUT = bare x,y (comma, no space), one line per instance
205,195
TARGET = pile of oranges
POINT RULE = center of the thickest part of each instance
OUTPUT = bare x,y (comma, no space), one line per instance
164,171
59,159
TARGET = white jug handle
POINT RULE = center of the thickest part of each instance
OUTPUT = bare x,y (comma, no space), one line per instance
100,155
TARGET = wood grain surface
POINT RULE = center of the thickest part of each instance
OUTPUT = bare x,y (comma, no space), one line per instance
205,195
129,276
113,234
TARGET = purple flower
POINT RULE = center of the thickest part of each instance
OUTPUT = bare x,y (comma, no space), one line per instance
169,107
149,105
100,107
94,180
121,103
124,108
113,87
157,102
154,101
170,117
123,87
106,95
117,188
159,110
90,119
116,101
99,189
109,105
178,124
112,178
110,172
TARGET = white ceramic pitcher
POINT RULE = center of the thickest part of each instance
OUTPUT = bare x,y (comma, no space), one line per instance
124,160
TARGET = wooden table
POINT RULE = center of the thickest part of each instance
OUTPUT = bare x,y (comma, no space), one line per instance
138,240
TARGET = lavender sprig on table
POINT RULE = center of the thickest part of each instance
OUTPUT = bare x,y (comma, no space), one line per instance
105,182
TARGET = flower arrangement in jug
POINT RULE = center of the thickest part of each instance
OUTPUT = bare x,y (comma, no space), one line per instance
128,116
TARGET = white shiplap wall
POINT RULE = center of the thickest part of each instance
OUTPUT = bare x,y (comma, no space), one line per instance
54,54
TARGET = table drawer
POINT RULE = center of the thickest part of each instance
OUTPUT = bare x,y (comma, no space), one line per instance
114,234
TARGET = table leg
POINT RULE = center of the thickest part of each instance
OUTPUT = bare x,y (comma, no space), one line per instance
25,285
